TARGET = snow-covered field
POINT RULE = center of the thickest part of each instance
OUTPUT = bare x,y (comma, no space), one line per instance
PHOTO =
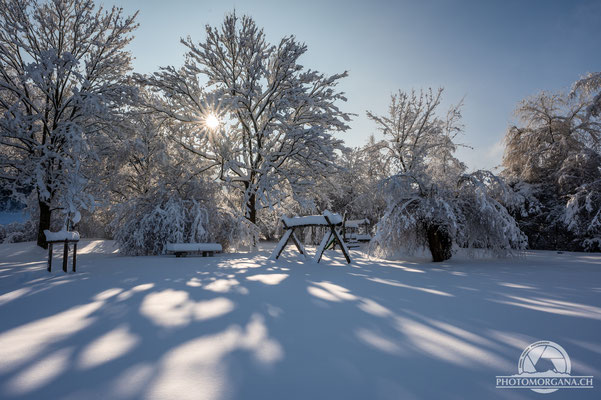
240,326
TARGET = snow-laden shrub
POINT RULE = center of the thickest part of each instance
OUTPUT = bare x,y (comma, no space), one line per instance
484,221
18,232
465,215
431,201
553,161
583,216
411,218
27,231
144,225
95,224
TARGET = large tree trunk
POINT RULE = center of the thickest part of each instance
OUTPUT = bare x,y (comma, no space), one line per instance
44,223
440,243
252,217
252,208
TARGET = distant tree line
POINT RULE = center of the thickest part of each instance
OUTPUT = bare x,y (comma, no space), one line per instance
219,148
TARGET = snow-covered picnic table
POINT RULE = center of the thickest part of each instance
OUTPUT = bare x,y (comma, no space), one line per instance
182,249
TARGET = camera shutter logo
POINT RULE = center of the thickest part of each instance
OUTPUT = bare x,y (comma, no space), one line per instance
544,367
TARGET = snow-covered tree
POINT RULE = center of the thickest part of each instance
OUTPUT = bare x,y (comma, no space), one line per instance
159,195
431,201
353,190
275,118
63,81
553,160
590,85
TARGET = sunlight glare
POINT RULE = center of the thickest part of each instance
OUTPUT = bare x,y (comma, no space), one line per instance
211,121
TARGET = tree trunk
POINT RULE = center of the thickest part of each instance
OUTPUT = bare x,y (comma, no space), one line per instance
440,243
44,223
252,208
252,217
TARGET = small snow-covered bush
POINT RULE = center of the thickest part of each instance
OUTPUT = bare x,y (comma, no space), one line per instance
144,225
412,221
18,232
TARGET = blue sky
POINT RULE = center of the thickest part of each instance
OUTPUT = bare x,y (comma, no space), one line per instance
494,53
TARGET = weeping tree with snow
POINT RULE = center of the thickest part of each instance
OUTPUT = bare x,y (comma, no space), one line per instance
63,83
553,161
431,201
254,116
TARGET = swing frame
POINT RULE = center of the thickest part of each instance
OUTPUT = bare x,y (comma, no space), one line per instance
331,234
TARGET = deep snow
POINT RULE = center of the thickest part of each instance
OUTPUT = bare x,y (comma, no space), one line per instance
240,326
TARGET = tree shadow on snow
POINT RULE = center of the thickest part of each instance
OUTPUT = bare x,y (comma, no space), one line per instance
242,326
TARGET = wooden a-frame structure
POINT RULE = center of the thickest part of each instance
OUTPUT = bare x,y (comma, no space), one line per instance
332,221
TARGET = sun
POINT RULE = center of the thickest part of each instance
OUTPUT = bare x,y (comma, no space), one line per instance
211,121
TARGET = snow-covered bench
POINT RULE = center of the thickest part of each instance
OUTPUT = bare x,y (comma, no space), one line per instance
183,249
65,237
352,237
328,219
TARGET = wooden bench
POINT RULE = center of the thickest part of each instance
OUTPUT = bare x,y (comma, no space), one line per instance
183,249
352,235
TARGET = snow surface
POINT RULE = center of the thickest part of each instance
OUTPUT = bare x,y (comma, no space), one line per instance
61,235
240,326
193,247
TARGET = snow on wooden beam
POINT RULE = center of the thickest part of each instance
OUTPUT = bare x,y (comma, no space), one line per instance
313,220
61,236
